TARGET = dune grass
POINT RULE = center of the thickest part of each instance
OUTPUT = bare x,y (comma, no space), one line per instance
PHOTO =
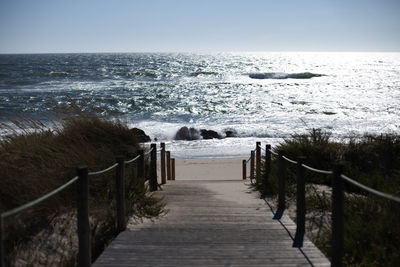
36,159
372,229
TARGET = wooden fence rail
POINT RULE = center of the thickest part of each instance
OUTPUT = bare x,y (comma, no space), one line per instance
338,179
82,195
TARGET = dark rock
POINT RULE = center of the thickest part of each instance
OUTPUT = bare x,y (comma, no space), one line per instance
182,133
194,133
210,134
231,133
186,133
141,136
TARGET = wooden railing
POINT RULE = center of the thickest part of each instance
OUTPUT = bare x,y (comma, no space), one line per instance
338,179
82,181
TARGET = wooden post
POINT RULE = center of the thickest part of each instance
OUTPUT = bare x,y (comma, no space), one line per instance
84,254
173,169
281,180
168,165
163,176
244,169
300,198
140,164
267,165
120,193
258,162
1,242
153,168
252,165
337,217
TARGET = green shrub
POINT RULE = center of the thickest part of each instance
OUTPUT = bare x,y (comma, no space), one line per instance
372,230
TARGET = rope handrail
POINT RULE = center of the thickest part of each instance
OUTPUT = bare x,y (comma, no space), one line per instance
261,147
344,177
132,160
103,171
290,160
82,195
316,170
159,150
148,152
373,191
347,179
272,152
38,200
247,161
337,204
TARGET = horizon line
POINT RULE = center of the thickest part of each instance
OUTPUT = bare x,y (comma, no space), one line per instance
204,52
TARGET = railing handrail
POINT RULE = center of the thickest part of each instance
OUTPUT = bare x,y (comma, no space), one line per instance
38,200
289,160
272,152
344,177
316,170
338,178
103,171
148,152
60,188
83,174
132,160
371,190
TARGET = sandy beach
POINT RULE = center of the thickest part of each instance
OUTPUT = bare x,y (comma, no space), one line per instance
209,169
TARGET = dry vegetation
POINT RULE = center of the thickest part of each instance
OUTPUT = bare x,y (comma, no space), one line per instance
372,229
35,160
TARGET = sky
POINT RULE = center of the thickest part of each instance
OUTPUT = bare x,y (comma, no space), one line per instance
73,26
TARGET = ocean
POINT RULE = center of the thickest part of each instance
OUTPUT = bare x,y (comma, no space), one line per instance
263,97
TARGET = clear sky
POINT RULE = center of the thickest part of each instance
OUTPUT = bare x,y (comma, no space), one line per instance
47,26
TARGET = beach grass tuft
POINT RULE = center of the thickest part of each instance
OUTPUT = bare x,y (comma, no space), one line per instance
35,159
372,231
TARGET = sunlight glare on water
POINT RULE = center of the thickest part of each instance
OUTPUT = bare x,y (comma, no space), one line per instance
259,95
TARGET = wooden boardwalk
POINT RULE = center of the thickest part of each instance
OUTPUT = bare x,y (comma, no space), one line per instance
211,223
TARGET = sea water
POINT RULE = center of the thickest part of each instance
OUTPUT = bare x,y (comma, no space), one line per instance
260,96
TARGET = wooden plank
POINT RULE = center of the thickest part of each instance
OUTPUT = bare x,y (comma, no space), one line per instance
206,227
